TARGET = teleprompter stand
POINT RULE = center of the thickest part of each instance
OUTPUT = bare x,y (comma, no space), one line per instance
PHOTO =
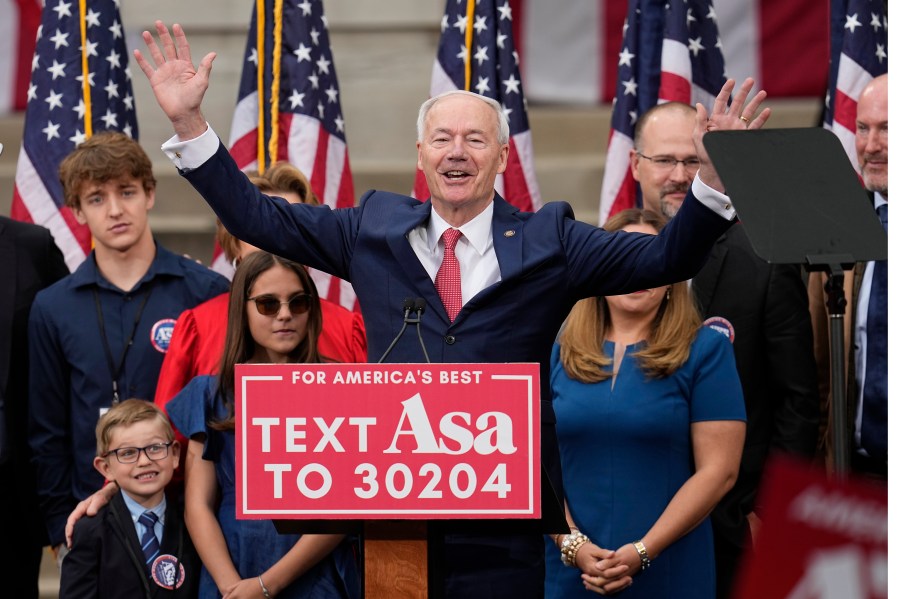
801,202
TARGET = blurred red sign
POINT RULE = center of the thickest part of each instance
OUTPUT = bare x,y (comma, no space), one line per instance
820,538
388,441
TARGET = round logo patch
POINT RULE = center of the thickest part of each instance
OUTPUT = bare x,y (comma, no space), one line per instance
721,325
161,334
167,572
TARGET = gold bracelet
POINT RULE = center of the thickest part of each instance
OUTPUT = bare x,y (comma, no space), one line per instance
571,543
644,555
555,537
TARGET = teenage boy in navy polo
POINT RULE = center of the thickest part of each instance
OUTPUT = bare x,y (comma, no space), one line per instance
100,334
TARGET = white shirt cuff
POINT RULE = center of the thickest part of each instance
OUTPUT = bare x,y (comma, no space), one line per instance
714,200
190,154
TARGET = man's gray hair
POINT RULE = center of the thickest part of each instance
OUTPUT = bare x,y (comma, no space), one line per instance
502,125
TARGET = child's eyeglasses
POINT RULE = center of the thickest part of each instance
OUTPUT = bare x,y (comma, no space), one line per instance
129,455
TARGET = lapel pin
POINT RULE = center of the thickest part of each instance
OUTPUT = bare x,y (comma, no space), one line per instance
509,233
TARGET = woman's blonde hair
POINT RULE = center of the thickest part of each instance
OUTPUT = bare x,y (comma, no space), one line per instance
672,330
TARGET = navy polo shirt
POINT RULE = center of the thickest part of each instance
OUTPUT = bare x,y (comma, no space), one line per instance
70,375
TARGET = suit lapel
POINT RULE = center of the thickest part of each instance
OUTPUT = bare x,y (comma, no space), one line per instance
706,281
507,238
124,522
7,301
406,218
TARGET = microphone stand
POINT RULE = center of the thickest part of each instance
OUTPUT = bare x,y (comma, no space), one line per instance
418,308
408,306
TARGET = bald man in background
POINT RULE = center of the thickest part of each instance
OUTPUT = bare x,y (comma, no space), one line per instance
865,324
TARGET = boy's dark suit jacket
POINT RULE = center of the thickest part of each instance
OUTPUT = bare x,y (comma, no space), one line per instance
106,560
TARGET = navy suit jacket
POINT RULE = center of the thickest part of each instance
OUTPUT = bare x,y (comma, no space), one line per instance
107,561
547,260
29,262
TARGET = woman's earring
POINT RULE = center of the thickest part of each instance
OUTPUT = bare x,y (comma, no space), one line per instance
668,294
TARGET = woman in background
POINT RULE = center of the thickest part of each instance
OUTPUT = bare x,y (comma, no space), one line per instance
650,421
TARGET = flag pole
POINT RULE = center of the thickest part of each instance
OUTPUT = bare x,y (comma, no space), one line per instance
260,80
278,20
85,73
469,35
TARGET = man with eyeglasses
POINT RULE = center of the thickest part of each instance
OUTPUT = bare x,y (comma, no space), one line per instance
760,306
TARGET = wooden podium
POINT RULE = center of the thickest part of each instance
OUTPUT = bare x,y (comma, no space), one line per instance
395,559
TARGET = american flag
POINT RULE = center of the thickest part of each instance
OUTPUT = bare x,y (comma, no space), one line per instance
571,55
19,20
671,52
76,89
298,72
858,53
477,53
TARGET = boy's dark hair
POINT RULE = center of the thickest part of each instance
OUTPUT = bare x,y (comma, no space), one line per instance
105,156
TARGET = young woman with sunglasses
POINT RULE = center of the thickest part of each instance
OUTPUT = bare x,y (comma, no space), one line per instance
274,316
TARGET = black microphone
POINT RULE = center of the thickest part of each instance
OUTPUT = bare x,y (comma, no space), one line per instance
408,307
418,308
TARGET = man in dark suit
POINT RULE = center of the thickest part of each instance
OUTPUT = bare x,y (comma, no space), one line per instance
29,261
760,306
516,274
865,325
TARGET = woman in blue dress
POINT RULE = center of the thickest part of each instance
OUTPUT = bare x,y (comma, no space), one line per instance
650,421
274,316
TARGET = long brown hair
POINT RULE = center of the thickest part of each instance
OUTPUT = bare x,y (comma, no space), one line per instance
672,331
239,343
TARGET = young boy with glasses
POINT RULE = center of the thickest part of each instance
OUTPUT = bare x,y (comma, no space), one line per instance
137,546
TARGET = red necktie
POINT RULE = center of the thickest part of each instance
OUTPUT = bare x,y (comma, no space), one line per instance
449,280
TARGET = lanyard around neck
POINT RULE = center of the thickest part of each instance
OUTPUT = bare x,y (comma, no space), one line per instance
115,370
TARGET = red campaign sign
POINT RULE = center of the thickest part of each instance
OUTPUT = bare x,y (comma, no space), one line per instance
819,539
388,441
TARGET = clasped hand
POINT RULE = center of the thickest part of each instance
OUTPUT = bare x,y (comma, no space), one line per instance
604,571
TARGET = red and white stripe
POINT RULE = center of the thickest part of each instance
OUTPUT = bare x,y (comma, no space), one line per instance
33,203
618,185
851,80
19,21
569,51
323,158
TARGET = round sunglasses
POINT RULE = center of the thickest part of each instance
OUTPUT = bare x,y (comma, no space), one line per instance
269,305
